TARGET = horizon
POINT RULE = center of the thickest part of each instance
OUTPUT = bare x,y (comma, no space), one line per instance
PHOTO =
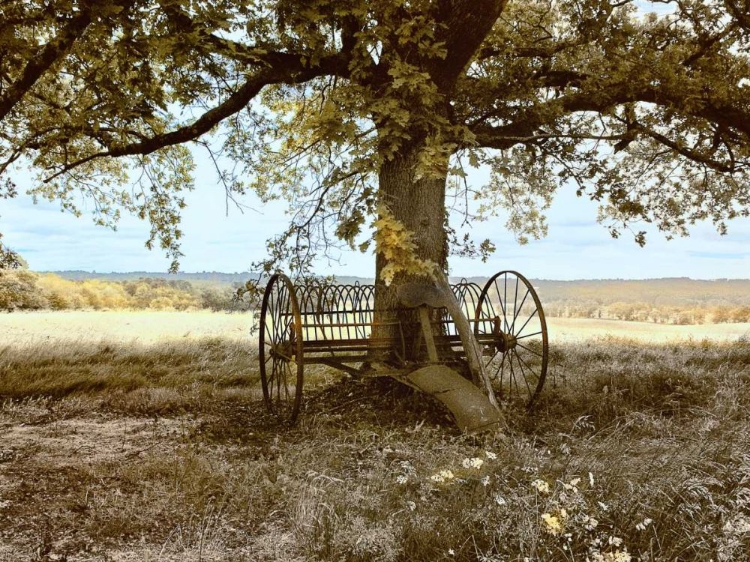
220,237
217,272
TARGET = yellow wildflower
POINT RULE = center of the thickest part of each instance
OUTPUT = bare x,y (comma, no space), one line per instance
553,525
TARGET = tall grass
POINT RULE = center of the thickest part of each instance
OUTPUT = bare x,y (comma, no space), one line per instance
633,453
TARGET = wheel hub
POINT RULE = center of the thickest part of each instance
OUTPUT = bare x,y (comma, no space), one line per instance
503,341
283,350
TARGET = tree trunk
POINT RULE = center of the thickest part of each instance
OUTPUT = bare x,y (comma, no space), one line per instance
419,204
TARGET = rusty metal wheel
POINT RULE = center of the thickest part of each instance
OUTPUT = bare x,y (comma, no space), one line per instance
510,316
280,353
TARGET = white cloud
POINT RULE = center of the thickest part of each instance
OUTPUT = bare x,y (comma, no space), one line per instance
577,247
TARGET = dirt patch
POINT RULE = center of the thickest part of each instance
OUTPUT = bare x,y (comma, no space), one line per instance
52,467
75,441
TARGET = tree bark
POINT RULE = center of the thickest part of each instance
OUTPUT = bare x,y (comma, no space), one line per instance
419,204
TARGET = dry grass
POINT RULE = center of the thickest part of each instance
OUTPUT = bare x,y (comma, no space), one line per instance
580,329
120,452
80,327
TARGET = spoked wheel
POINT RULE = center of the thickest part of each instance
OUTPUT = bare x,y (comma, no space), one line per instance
280,343
511,328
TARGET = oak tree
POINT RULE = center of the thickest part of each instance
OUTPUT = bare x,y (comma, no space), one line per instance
348,108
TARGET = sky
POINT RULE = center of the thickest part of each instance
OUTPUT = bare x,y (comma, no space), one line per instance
218,237
221,238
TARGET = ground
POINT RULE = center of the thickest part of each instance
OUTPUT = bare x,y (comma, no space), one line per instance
160,449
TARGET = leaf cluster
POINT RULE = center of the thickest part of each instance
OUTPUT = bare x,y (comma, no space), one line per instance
646,114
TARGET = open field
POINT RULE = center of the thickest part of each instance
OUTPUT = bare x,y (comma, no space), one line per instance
151,327
122,326
162,450
579,329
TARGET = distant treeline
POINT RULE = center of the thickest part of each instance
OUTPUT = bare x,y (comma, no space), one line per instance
648,312
26,290
666,301
202,277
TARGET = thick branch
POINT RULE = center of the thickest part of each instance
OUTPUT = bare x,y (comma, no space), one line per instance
688,153
533,51
528,122
45,58
740,13
294,73
705,45
467,23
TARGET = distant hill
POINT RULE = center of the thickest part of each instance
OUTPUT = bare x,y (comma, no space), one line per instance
216,277
678,291
669,300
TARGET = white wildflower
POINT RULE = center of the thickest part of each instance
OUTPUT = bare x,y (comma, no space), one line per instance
738,526
407,467
573,486
590,523
474,462
643,524
616,556
500,500
485,481
442,476
615,541
541,486
621,556
552,524
490,455
401,479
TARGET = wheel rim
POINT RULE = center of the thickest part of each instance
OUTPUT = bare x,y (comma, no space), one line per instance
510,314
280,349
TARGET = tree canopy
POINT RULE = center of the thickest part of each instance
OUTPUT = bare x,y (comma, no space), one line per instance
340,107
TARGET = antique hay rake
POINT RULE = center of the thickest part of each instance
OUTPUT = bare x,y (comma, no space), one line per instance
337,326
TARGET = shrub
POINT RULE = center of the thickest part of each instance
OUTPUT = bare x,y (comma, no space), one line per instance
19,291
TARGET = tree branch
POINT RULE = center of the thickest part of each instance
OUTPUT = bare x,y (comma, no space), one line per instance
531,120
45,58
466,24
293,73
688,153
